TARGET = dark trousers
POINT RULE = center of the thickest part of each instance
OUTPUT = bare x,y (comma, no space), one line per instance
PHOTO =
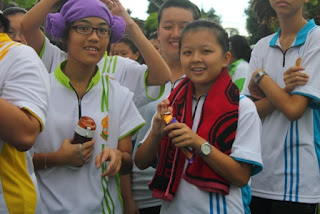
150,210
268,206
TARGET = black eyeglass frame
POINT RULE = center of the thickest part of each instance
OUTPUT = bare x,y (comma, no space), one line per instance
76,28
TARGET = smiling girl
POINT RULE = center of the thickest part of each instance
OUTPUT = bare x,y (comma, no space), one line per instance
219,126
78,89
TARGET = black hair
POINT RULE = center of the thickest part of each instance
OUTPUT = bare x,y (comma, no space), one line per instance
4,23
240,47
263,10
13,11
126,40
211,26
185,4
153,35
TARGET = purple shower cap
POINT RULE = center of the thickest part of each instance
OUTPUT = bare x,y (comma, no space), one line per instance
74,10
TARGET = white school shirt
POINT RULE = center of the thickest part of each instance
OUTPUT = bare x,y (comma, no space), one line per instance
24,82
142,195
290,150
245,148
126,71
65,189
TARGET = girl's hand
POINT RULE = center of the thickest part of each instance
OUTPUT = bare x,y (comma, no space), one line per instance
69,154
114,157
255,91
293,77
183,136
158,123
117,9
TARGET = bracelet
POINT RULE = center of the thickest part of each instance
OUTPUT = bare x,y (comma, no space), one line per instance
45,160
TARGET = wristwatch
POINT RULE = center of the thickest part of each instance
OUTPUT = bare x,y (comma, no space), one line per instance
205,149
258,76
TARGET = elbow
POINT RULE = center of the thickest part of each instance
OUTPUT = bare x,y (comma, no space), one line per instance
23,142
293,114
140,163
126,168
241,182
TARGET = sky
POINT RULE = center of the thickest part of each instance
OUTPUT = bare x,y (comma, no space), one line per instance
231,11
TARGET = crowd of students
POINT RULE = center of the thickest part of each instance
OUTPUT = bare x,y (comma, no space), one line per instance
243,133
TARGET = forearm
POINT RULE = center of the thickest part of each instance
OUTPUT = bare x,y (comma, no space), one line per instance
18,127
264,107
147,152
233,171
293,106
127,163
159,72
45,160
32,21
126,187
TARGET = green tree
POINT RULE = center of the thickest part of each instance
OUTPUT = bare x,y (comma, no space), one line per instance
312,10
151,24
256,30
22,3
211,14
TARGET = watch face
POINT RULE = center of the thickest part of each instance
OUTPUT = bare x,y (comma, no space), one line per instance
206,149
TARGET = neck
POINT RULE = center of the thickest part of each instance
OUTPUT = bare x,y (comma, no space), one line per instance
79,75
291,25
175,68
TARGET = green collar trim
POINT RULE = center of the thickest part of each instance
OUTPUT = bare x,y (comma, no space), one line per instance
65,81
234,66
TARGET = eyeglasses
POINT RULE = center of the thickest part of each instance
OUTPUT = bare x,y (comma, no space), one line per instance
88,30
13,34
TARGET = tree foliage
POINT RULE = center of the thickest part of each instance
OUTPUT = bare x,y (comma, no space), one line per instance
151,24
257,30
22,3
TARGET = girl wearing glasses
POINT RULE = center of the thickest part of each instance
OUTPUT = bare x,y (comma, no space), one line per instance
129,73
84,178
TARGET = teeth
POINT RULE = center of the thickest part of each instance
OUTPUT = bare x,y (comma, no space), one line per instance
197,69
91,49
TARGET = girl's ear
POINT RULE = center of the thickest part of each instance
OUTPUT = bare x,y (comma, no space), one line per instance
136,55
227,58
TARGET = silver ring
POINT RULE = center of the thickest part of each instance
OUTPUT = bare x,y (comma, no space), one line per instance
81,155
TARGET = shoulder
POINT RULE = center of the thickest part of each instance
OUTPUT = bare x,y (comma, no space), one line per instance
18,49
246,105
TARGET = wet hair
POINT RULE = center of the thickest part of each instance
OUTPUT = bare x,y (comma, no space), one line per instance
240,47
184,4
126,40
4,23
263,10
153,35
211,26
13,11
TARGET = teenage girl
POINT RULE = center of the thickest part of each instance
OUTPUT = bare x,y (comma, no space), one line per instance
224,138
173,15
283,79
84,178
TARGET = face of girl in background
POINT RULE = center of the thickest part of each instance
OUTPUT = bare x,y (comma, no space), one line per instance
172,22
202,57
156,44
15,29
87,49
124,50
288,8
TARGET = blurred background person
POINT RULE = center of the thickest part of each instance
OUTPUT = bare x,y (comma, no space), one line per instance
126,48
240,57
153,38
14,15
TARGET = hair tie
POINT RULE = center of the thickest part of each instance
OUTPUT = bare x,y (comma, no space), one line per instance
55,25
118,27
